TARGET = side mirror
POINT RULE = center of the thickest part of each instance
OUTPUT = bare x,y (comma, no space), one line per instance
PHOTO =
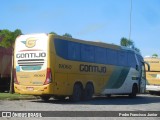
147,65
137,67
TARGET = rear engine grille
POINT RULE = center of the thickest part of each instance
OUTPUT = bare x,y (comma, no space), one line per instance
31,62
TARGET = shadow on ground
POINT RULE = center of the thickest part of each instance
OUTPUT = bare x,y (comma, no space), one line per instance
114,100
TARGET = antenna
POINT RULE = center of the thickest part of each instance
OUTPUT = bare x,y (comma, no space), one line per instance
130,26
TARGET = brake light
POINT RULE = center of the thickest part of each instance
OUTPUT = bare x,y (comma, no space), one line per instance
48,76
15,77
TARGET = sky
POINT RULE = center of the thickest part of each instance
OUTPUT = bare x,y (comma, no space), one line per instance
92,20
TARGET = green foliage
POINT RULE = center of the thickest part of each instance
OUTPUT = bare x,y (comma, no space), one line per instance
53,33
155,55
125,42
128,43
16,33
7,96
67,35
7,38
136,49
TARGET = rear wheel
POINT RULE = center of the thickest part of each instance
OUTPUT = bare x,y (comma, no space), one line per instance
108,95
77,93
45,98
151,92
88,92
154,93
134,91
59,97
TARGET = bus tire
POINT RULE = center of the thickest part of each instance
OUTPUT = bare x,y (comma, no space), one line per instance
151,92
108,95
45,98
59,97
88,92
77,93
134,91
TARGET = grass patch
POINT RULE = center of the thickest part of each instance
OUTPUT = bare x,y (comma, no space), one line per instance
8,96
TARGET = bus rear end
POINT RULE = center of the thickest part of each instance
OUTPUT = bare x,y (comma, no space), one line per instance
153,76
32,75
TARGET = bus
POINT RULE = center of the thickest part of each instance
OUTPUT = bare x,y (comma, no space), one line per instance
48,65
5,68
153,76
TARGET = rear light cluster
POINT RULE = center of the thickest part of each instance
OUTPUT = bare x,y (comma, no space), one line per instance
15,77
47,81
48,77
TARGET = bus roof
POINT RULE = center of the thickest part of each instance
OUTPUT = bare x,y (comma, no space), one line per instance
95,43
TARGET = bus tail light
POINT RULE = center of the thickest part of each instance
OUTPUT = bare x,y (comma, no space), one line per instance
15,77
48,76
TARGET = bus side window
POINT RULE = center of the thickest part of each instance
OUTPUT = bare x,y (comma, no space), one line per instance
61,48
100,55
122,58
131,60
112,57
74,51
87,53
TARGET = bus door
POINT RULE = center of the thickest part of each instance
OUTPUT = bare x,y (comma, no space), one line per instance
143,77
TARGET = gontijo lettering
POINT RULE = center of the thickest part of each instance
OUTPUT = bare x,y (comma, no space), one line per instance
31,55
92,68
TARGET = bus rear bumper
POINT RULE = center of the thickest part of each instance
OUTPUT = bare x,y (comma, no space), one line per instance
33,90
152,88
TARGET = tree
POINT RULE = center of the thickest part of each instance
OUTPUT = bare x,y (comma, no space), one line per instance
53,33
155,55
67,35
16,33
7,39
128,43
125,42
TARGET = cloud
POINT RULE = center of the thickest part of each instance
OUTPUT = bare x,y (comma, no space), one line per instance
91,28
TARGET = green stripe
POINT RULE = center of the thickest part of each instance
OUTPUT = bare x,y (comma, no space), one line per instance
117,78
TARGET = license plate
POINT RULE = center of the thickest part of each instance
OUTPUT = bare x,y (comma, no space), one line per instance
30,88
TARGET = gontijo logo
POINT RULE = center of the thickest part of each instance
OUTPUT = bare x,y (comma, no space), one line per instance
30,42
